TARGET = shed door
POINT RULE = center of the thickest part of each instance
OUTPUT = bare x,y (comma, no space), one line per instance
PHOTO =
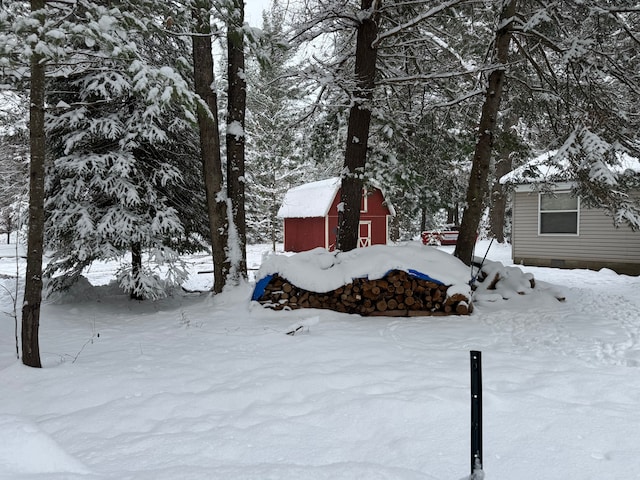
364,239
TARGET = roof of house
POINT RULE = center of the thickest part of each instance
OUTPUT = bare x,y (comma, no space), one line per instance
551,167
313,199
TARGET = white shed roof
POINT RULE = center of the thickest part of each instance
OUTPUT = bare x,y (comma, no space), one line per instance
314,199
310,200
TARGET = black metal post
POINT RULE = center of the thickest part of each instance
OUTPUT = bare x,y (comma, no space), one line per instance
476,410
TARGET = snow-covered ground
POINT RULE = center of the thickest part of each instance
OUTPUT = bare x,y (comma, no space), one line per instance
204,387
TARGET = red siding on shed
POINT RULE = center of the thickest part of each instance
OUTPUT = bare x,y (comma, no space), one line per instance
302,234
376,213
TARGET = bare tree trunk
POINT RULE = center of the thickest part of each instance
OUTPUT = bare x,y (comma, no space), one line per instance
35,241
236,107
358,129
273,227
452,215
498,203
478,184
210,142
136,268
499,200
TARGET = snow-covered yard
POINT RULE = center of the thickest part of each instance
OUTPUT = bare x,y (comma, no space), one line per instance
203,387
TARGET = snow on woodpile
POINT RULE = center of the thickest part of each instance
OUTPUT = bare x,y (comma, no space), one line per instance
493,281
401,280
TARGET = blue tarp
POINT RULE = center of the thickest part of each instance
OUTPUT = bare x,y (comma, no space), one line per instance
423,276
260,286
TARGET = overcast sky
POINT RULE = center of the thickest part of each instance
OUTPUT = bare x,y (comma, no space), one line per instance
253,11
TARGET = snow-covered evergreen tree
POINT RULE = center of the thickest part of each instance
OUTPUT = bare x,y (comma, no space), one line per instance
274,160
120,126
575,84
426,66
14,163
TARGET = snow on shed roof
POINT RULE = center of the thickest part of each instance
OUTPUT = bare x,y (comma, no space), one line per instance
309,200
314,199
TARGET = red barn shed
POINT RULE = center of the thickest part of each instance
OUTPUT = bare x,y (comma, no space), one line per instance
310,214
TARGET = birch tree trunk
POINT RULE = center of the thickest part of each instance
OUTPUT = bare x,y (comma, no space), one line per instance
210,142
478,181
236,108
35,241
358,128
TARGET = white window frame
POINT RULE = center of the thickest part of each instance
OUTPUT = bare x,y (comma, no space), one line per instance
365,201
364,241
541,212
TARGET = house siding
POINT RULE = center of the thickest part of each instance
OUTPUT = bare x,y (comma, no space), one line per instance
598,244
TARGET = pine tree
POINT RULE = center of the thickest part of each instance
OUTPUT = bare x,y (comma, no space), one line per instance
14,163
205,88
478,181
118,127
274,162
235,137
577,87
421,72
35,241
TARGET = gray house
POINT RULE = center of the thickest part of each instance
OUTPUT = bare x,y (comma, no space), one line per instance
551,228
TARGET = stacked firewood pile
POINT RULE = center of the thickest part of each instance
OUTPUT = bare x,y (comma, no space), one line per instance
396,294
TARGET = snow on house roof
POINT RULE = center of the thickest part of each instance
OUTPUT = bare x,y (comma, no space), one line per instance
538,169
309,200
314,199
552,167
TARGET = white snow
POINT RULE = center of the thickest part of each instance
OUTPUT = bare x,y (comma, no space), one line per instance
309,200
235,128
200,387
550,166
319,270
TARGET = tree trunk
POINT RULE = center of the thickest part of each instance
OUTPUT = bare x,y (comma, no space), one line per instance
358,129
498,203
499,199
452,215
35,241
478,184
210,142
236,107
273,227
136,268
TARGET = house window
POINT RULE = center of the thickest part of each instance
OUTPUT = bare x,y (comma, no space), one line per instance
558,214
